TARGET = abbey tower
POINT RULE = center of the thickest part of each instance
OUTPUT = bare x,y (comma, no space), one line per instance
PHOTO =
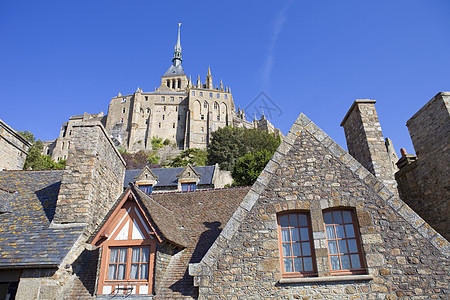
180,110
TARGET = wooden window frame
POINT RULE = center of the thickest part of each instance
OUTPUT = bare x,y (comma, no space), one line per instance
351,271
189,185
285,274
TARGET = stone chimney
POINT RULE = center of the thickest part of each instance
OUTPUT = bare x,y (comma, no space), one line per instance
93,178
365,141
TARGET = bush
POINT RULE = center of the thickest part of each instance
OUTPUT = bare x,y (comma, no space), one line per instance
156,143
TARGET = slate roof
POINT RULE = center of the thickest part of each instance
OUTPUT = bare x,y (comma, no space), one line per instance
168,176
201,216
26,240
174,70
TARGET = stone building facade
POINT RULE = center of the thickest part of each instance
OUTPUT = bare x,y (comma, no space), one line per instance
13,148
59,148
397,254
316,224
424,178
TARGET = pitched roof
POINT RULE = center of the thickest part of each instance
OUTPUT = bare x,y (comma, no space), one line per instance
168,176
26,237
174,70
303,124
165,219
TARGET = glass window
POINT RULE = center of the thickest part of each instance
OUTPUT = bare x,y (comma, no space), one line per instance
210,95
193,93
138,263
296,245
163,98
343,244
226,96
172,99
148,189
201,93
218,95
188,187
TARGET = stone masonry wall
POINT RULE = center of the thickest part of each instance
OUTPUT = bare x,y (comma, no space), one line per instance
94,178
316,174
423,184
365,141
13,148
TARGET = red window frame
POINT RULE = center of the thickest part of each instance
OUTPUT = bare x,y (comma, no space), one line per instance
296,244
128,263
343,242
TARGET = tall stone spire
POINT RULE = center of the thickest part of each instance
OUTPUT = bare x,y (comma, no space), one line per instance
209,82
177,54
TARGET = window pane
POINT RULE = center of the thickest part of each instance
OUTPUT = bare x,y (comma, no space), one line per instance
135,255
145,254
293,221
123,255
113,255
347,217
304,234
340,231
303,220
134,271
144,271
121,272
332,247
330,232
342,246
288,265
307,264
327,218
349,231
355,261
284,221
294,234
285,235
337,217
287,250
112,272
296,249
352,246
345,262
306,248
298,264
335,263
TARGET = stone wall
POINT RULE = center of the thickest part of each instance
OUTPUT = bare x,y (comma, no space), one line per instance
403,256
93,180
13,148
423,181
365,141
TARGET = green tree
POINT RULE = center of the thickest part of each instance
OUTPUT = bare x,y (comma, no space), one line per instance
35,159
156,143
248,167
228,144
193,156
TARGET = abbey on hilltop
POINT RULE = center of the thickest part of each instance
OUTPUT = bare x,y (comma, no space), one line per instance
179,110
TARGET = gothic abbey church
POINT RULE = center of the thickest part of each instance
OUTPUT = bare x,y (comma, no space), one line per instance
178,110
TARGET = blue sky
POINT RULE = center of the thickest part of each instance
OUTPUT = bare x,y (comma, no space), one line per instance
62,58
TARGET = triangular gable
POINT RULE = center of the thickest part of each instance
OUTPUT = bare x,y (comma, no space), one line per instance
189,174
128,221
304,125
146,177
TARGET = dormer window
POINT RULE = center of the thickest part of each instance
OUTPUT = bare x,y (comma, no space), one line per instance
146,188
188,187
128,250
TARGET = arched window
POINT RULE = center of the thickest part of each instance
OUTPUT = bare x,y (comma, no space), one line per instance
205,104
344,246
296,244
